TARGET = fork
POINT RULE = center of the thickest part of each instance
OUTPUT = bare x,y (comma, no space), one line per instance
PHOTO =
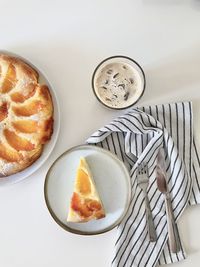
143,182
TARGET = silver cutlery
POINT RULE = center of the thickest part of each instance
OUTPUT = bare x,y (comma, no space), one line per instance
174,240
143,182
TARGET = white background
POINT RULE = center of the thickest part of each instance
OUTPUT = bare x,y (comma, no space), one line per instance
66,40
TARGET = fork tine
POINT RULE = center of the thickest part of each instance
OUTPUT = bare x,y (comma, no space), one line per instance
138,168
142,167
142,170
146,168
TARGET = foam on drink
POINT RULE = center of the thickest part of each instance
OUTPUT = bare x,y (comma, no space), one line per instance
118,84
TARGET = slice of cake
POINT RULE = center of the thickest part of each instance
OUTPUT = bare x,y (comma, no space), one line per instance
85,203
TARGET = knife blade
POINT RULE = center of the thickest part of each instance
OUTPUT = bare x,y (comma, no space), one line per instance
174,239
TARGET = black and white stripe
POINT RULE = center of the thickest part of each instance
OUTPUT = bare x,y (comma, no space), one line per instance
136,137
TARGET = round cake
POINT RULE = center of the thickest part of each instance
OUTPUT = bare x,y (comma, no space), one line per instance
26,115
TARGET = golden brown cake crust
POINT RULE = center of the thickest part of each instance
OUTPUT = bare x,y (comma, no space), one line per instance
22,66
26,115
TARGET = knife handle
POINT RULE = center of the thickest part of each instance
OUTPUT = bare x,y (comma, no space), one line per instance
150,223
174,241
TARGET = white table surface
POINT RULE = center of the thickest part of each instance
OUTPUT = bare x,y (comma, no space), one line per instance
67,39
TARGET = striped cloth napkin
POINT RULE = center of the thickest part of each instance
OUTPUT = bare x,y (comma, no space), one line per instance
136,137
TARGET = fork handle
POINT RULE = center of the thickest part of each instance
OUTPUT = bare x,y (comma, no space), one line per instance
174,240
150,223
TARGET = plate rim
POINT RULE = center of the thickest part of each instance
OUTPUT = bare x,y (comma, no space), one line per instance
75,231
11,178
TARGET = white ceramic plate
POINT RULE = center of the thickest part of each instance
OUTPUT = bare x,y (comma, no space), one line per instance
50,145
112,180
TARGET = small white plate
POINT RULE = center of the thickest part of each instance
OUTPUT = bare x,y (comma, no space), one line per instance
112,180
48,148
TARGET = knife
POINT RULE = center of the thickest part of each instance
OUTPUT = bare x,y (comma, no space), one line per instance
174,240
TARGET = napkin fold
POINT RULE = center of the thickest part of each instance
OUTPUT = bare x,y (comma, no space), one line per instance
136,137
